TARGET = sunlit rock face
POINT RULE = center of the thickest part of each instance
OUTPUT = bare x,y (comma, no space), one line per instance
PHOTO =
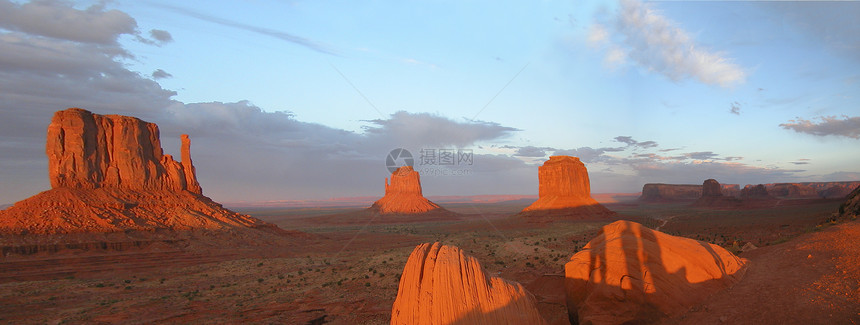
564,184
108,174
630,273
88,151
442,285
403,194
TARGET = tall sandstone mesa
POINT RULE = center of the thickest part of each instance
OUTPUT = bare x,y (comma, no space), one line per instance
442,285
109,174
564,184
632,274
403,195
88,151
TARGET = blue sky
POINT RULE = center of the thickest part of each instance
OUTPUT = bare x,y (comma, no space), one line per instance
303,100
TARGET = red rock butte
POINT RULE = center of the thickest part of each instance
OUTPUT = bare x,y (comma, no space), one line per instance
403,194
442,285
563,184
109,174
630,273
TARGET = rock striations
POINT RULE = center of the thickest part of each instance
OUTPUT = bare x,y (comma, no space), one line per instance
403,194
630,273
108,174
88,151
564,185
442,285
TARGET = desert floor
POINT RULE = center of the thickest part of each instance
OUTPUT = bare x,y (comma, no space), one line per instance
346,271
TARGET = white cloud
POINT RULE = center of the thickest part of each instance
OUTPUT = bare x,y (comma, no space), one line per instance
645,37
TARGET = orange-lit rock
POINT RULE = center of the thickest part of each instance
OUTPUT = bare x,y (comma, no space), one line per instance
563,184
403,194
108,174
442,285
88,151
630,273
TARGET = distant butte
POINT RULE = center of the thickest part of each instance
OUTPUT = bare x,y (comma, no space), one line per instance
109,174
564,187
403,195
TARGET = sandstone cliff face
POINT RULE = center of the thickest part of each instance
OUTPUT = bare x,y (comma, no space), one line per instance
563,184
108,174
89,151
711,188
403,195
632,273
851,207
752,192
791,190
442,285
669,192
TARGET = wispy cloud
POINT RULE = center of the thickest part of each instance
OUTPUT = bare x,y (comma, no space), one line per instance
736,108
827,125
630,142
308,43
644,36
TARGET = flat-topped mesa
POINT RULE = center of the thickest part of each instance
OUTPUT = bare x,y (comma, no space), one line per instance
711,188
89,151
443,285
403,194
755,192
563,184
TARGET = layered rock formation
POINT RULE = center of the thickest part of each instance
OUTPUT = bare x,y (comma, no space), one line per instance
712,196
711,188
755,192
656,192
442,285
564,185
403,195
630,273
89,151
109,174
851,207
830,190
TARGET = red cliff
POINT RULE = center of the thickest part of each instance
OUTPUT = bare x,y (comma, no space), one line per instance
630,273
442,285
403,194
88,151
564,185
109,174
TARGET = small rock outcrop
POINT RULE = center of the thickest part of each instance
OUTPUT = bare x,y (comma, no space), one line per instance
851,207
442,285
630,273
109,174
403,195
564,185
